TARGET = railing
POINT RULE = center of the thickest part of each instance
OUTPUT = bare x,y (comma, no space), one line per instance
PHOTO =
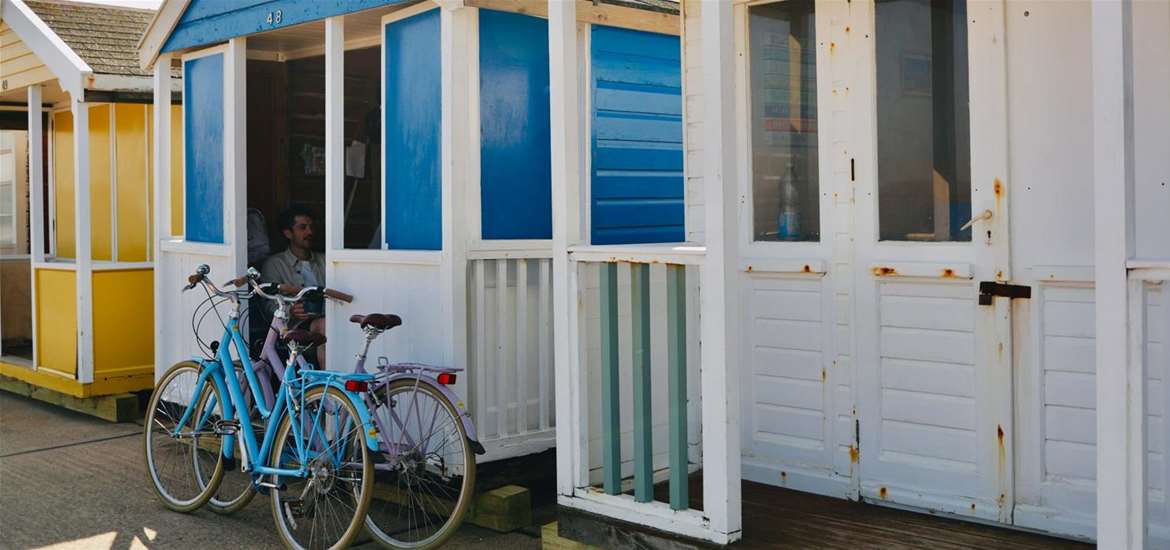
638,343
510,344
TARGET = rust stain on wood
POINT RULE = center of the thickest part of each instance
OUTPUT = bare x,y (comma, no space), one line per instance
807,268
948,273
883,270
882,493
854,454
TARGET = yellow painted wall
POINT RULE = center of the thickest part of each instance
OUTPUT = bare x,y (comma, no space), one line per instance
133,169
123,321
176,170
56,304
63,182
100,201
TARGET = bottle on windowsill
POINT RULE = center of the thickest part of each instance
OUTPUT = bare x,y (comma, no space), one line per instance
788,224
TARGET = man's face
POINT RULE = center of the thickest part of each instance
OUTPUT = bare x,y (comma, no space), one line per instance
301,234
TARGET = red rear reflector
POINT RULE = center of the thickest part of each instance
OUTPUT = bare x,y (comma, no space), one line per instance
446,378
356,385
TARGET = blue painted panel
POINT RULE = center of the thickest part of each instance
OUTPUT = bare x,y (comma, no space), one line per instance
515,162
413,115
210,21
637,193
203,146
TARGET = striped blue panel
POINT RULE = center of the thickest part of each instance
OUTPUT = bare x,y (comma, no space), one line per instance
515,163
203,149
210,21
412,126
637,166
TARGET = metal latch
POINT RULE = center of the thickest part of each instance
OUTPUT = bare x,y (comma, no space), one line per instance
989,289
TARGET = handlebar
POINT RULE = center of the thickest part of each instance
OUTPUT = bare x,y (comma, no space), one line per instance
283,293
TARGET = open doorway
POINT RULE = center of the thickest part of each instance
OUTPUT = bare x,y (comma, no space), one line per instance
15,280
286,154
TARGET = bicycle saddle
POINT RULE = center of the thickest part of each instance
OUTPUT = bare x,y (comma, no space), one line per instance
380,321
303,337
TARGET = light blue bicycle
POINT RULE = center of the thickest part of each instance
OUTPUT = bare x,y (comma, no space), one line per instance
316,455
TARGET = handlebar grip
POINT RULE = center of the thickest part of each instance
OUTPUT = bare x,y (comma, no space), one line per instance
338,295
285,288
238,281
195,279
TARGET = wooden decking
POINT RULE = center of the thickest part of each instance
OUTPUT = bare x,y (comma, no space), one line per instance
782,518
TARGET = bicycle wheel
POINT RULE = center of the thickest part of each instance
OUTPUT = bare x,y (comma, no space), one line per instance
326,509
184,460
426,482
236,490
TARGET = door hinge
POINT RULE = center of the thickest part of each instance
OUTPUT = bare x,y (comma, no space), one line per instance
988,290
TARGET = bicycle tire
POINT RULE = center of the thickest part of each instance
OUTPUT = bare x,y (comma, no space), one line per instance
354,438
167,402
378,521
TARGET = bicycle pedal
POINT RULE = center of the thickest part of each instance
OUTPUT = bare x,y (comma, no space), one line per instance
270,485
295,507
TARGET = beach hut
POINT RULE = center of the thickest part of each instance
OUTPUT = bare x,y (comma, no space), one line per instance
418,134
75,203
932,261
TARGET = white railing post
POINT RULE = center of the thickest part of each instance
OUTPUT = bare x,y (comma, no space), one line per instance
83,260
162,198
719,319
1120,384
334,169
566,141
36,197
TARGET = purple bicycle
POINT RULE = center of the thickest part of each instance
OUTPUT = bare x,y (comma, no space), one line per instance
424,469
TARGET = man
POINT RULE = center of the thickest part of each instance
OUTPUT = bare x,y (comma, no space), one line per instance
299,265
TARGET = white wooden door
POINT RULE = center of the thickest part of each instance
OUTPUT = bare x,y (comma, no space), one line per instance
934,384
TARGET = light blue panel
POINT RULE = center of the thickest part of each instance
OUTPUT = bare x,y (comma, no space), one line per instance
210,21
637,193
203,146
515,157
412,126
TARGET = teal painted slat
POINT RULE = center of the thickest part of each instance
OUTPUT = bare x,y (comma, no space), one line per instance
611,430
676,343
643,430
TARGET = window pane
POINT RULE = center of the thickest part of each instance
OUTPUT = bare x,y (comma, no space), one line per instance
783,58
924,153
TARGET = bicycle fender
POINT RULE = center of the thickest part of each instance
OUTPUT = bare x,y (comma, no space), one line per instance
464,414
368,429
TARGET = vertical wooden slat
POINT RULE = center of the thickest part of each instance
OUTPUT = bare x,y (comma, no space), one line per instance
521,345
676,338
643,431
542,330
481,358
503,312
610,397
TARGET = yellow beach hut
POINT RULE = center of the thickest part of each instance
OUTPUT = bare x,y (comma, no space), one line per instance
76,271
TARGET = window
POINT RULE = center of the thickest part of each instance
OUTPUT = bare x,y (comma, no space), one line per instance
782,61
8,162
923,127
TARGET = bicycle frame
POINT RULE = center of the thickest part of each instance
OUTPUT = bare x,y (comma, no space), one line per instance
229,386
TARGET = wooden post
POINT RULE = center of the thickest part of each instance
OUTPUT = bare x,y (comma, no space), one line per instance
567,164
643,429
334,170
676,343
83,260
719,319
36,197
1120,385
611,423
235,157
162,198
455,35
